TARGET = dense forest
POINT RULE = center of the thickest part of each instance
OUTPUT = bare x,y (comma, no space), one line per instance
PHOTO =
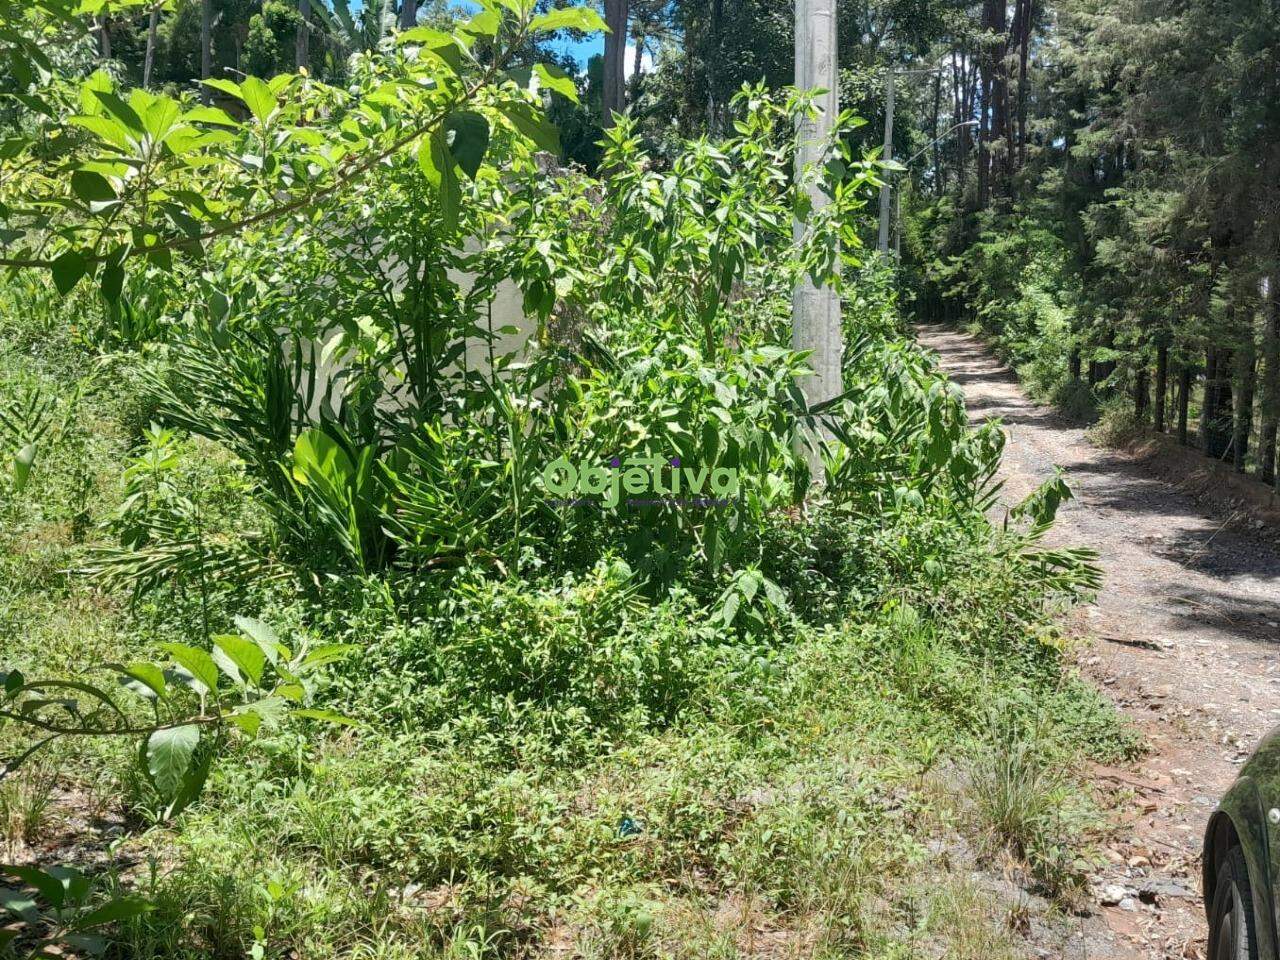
421,534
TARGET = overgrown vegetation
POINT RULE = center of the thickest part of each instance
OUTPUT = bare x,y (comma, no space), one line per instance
389,684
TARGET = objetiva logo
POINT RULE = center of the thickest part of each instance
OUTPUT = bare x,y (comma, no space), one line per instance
645,481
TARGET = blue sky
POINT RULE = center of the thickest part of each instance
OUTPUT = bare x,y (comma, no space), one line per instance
580,50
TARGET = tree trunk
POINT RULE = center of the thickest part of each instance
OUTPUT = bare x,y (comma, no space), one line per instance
614,92
149,59
206,47
1184,400
957,98
408,14
1140,391
1210,397
638,40
939,183
984,116
1002,102
1023,52
1216,417
1246,378
715,100
815,311
302,40
104,36
1270,387
1162,385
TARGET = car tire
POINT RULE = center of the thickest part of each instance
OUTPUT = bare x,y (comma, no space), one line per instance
1232,934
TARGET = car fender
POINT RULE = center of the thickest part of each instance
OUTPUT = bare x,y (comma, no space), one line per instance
1241,814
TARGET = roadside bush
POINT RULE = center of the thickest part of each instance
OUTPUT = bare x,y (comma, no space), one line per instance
580,657
559,709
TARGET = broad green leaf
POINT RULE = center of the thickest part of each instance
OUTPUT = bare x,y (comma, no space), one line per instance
551,77
144,679
11,147
49,887
569,18
450,192
318,460
108,129
426,164
268,710
111,283
238,656
484,23
427,37
247,722
327,716
75,884
169,756
192,785
266,638
196,662
67,271
470,139
224,85
97,82
328,653
258,98
90,186
730,609
214,115
113,911
121,111
20,904
533,125
158,113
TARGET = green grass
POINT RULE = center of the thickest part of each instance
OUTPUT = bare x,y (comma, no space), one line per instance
559,765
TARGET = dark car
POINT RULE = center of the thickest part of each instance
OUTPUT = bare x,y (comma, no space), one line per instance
1241,860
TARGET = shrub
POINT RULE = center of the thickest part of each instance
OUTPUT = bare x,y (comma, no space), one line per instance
579,657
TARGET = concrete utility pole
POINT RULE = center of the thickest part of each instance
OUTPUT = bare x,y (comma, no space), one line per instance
302,38
815,311
887,154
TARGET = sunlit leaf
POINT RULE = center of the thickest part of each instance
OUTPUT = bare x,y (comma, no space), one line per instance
258,98
551,77
585,19
196,662
533,125
169,754
238,657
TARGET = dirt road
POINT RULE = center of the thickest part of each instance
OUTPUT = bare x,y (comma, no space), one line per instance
1187,629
